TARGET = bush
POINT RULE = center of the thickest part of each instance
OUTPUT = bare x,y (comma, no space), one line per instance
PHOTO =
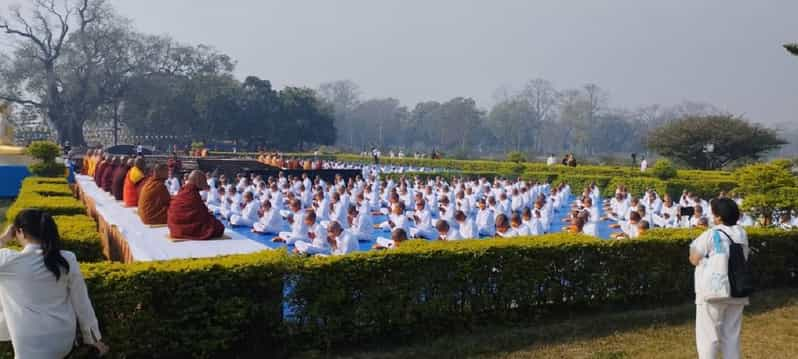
762,179
516,157
78,232
428,288
234,306
47,169
79,235
44,151
663,170
219,307
636,186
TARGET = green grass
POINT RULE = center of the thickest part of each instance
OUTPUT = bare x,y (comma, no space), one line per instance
770,330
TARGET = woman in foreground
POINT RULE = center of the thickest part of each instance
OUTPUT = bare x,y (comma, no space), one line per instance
42,292
718,322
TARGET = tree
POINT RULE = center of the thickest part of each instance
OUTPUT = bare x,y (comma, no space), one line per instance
306,119
344,96
768,188
792,48
712,142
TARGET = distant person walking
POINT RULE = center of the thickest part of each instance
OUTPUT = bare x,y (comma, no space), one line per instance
43,295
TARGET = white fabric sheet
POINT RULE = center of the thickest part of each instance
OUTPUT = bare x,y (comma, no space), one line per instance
152,244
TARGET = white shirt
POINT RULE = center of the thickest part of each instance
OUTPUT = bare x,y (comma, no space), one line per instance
346,243
39,314
468,230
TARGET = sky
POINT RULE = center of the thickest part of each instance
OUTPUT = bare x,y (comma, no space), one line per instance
724,52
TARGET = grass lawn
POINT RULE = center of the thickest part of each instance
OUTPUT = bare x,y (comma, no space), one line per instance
770,330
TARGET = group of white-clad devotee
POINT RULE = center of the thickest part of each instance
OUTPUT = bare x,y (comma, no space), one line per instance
331,218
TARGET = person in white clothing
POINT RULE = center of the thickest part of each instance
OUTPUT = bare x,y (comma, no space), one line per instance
300,223
551,160
44,297
340,241
317,239
467,227
270,222
446,232
423,222
249,215
360,224
643,165
485,219
718,323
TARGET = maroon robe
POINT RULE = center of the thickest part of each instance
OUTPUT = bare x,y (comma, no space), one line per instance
188,217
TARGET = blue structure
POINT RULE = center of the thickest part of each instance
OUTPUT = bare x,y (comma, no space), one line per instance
11,180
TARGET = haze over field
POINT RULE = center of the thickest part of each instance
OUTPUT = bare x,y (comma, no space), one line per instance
642,52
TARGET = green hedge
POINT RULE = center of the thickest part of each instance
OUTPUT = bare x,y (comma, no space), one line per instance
78,231
218,307
233,306
79,235
430,288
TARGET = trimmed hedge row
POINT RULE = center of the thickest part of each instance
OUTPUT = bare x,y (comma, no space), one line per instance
231,306
217,307
78,231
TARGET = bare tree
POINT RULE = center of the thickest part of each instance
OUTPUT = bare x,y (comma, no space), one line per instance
40,33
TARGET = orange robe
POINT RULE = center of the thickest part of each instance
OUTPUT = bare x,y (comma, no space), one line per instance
134,180
153,201
189,218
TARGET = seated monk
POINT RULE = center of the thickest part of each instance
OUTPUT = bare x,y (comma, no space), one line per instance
188,217
118,181
108,175
154,197
99,169
134,180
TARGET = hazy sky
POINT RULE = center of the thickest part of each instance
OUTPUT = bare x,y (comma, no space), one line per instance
725,52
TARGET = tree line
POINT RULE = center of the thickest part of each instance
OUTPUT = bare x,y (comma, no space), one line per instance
78,63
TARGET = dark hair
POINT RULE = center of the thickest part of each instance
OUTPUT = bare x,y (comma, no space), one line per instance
40,226
726,209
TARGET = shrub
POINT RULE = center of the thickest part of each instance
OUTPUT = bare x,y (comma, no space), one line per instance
516,157
635,185
663,169
47,169
78,232
220,307
44,151
79,235
762,179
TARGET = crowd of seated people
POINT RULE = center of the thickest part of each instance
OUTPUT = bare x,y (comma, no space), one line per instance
634,215
320,217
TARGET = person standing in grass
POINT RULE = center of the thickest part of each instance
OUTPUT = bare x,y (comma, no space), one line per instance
718,323
44,298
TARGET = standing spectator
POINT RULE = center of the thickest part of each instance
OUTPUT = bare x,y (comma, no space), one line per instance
551,160
643,164
66,149
42,315
718,323
139,150
634,158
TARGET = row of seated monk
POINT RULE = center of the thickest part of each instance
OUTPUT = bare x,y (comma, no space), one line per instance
128,181
277,160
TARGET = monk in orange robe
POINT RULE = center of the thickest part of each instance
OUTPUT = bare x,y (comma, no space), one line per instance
154,197
188,217
134,180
